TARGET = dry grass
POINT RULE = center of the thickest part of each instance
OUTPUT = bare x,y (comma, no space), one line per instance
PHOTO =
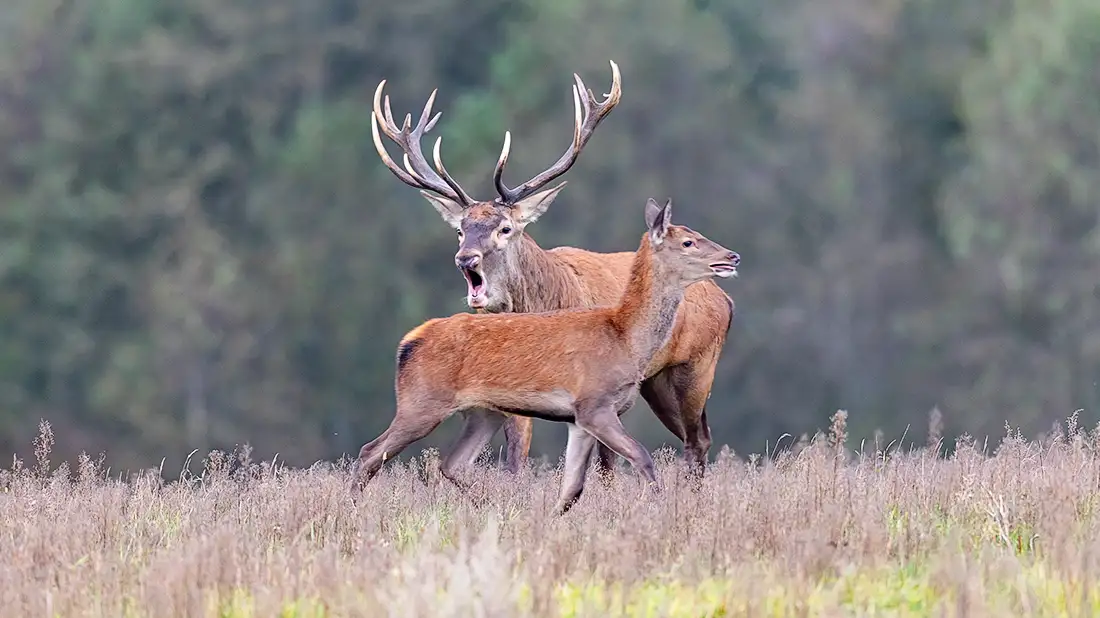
817,530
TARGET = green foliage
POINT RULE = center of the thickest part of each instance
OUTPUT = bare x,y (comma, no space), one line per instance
200,246
1022,213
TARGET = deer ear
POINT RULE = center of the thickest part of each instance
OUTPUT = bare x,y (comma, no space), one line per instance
529,209
658,219
450,210
651,212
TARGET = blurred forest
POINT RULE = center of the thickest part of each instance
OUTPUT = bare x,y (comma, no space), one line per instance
200,246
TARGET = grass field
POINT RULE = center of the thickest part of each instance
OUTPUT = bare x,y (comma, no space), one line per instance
817,530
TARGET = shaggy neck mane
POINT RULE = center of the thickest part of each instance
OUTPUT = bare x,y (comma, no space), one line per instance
537,281
647,309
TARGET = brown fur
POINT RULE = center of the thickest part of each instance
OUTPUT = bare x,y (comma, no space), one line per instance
679,378
580,366
522,277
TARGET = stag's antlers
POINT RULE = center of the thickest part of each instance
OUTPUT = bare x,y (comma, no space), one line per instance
583,126
420,175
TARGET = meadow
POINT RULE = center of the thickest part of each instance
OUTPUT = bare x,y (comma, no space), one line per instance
820,527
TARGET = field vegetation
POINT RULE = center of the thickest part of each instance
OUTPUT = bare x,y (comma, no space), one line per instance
202,248
816,528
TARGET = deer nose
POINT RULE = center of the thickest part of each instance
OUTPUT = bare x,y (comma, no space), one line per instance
468,261
734,258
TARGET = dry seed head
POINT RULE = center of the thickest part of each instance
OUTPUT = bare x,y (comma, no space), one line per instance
838,430
935,428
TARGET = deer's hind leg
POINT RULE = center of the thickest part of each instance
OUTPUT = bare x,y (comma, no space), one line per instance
661,393
480,427
411,423
605,463
578,449
517,442
678,396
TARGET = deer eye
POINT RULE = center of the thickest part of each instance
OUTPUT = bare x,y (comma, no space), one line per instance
688,243
505,230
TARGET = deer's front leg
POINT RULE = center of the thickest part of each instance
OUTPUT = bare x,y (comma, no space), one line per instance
601,419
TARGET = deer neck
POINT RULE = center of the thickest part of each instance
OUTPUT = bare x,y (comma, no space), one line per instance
647,310
537,281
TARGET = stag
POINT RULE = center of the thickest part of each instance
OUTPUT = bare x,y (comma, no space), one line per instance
506,271
582,367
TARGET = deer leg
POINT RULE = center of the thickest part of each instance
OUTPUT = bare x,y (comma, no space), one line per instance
683,391
678,397
692,385
604,424
660,392
408,426
578,449
477,431
517,440
605,463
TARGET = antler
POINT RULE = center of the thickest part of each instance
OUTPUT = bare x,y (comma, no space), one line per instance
583,127
417,172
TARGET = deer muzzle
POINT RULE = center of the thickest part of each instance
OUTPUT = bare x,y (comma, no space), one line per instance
470,265
727,267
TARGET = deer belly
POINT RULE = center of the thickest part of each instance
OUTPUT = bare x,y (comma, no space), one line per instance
555,405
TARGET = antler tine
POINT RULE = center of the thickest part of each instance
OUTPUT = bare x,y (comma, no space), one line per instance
418,172
577,119
584,125
411,180
501,161
426,115
389,127
585,94
408,166
433,121
443,171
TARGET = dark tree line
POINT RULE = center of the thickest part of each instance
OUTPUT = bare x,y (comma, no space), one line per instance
200,246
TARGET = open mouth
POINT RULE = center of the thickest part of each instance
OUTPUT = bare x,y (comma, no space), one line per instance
475,287
723,269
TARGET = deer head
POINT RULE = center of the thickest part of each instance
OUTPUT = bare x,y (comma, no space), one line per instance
681,255
490,233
